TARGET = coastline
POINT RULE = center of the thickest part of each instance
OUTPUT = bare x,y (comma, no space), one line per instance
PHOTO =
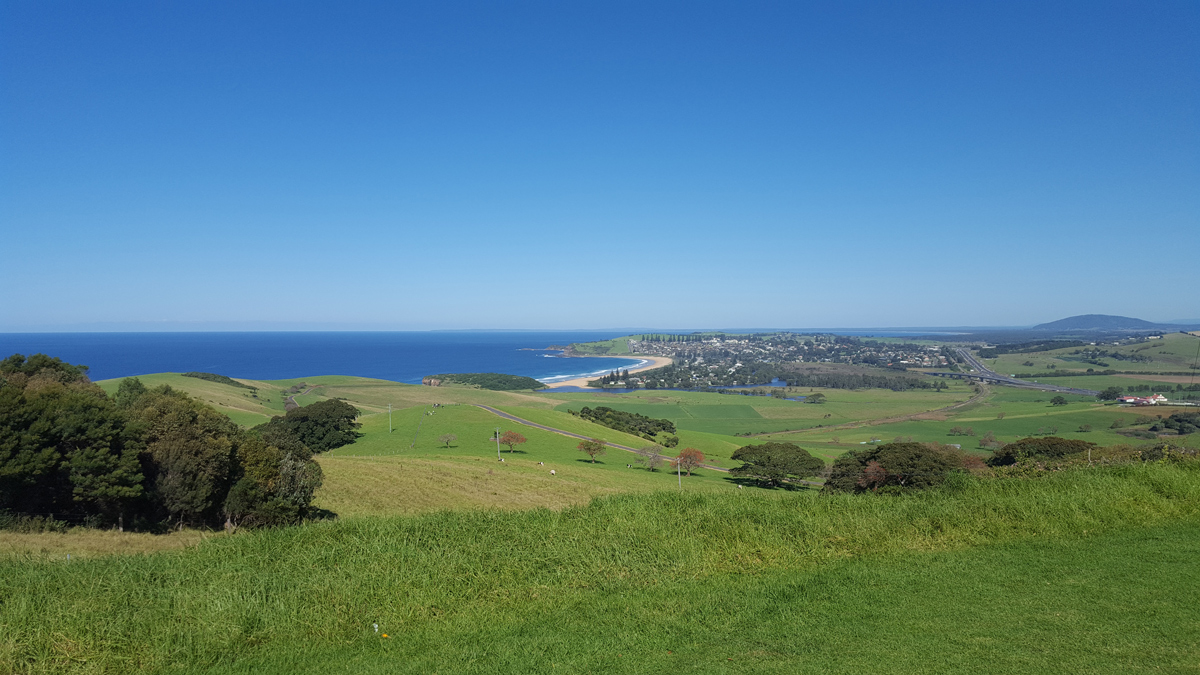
582,382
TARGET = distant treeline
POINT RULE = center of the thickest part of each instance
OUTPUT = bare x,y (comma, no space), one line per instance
492,381
679,376
861,381
213,377
670,337
627,422
150,458
1028,347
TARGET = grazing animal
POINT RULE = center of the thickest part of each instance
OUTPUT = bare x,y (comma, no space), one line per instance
551,472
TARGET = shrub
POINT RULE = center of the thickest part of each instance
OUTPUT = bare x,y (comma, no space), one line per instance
904,466
773,463
1048,447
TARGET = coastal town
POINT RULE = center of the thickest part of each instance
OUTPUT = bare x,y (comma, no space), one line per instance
717,360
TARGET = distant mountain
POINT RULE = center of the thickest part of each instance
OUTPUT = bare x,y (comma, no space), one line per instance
1101,322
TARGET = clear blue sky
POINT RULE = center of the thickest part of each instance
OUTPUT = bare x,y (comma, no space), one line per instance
587,165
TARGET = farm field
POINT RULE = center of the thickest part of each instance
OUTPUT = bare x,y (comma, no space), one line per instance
1175,352
715,582
1164,384
409,472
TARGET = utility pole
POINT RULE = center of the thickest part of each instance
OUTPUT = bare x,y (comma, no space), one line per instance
497,442
679,472
389,418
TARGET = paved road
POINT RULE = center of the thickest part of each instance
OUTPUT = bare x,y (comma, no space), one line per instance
982,372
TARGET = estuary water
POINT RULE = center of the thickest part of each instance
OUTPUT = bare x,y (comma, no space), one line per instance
396,356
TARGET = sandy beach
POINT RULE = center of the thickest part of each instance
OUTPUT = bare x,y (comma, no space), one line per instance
655,362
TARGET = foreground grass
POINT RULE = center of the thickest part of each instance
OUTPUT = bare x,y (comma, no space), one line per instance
87,542
1082,605
745,575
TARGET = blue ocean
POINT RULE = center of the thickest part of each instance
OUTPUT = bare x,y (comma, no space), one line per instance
396,356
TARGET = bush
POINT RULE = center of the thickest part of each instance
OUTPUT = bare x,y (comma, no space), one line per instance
320,426
1048,447
773,463
900,466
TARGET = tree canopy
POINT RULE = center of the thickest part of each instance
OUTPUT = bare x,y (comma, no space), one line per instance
774,462
492,381
145,456
1044,447
903,466
628,422
321,426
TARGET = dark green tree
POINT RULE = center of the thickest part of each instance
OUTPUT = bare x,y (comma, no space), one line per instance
904,466
1110,394
773,463
1041,447
1058,400
320,426
64,448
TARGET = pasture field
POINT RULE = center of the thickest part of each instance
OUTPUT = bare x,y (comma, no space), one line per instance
611,347
1175,352
979,575
731,414
409,472
239,404
1164,384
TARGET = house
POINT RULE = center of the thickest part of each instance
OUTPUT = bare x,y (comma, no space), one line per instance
1154,399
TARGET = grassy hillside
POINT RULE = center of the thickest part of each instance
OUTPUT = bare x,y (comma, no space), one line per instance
614,347
1013,575
411,472
1175,352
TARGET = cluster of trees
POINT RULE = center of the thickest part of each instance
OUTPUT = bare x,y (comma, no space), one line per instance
143,458
862,381
627,422
1028,347
321,426
613,378
1181,422
671,338
492,381
221,379
1047,447
774,463
894,466
679,376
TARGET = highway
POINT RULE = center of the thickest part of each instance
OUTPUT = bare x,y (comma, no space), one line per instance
983,373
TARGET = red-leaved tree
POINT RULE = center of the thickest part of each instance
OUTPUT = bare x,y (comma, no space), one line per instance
688,459
873,476
511,438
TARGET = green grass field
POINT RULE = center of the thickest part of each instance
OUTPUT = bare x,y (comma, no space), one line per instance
717,424
1175,352
1082,571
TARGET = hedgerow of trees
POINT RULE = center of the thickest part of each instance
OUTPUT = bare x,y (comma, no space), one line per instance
491,381
145,458
627,422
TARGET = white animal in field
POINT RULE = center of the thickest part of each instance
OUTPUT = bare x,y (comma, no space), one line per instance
551,472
